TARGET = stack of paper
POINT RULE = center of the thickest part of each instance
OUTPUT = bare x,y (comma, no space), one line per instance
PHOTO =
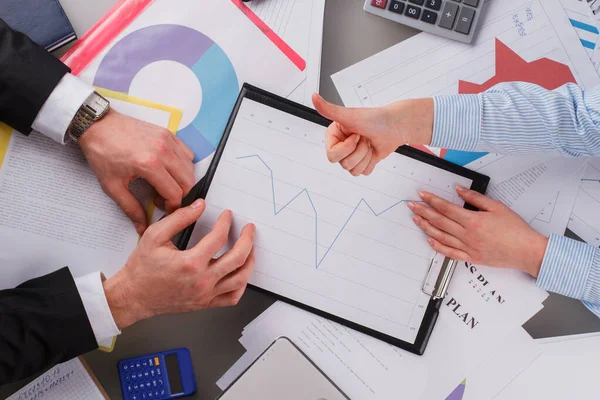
478,346
300,24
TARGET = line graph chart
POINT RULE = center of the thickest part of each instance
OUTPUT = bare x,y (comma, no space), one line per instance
346,245
318,261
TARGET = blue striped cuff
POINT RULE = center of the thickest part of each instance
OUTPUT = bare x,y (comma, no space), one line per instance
457,121
570,268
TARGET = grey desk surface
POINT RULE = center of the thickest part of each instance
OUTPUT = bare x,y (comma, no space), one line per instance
350,36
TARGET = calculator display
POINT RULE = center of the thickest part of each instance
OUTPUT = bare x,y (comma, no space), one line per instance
172,364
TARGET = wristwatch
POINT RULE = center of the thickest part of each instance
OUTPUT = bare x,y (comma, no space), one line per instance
93,109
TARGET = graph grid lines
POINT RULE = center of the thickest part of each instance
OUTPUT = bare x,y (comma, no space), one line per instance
276,211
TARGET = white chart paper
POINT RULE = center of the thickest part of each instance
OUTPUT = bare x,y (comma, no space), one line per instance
426,66
584,221
341,244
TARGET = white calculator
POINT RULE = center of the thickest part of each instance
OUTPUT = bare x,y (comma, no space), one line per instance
453,19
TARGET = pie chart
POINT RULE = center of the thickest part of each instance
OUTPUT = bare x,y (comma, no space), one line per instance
196,51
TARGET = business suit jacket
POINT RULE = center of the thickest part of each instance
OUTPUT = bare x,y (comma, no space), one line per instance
28,74
43,321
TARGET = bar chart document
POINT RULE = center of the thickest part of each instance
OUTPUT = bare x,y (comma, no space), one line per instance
517,40
343,245
427,66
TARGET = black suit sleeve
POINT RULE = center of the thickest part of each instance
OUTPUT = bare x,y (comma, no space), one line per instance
28,74
42,323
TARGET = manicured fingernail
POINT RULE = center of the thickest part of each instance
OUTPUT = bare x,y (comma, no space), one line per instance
417,220
461,188
139,228
430,241
197,204
422,195
411,205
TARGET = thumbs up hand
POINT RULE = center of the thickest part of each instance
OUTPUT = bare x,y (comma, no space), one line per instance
361,137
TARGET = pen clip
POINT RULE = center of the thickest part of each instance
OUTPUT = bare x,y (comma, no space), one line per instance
436,284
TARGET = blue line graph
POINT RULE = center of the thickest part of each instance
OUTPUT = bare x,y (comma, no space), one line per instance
276,211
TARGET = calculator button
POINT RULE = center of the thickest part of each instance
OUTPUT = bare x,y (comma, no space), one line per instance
379,3
156,361
147,384
135,397
144,363
412,11
144,396
156,393
434,4
429,16
129,388
146,374
150,362
125,367
140,375
160,382
465,20
449,15
396,6
133,376
472,3
137,365
150,395
152,372
135,387
131,366
419,2
158,372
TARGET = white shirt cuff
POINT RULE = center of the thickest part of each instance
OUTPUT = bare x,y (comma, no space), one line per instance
61,106
96,307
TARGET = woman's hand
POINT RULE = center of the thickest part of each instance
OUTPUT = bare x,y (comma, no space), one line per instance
495,236
361,137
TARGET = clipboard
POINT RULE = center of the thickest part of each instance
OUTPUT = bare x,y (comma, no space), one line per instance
440,269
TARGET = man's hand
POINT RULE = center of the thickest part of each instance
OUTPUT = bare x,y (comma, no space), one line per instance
121,149
160,279
361,137
495,236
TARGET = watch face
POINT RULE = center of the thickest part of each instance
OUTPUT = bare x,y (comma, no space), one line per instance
98,104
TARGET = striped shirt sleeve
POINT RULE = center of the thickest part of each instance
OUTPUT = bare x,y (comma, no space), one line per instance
520,118
572,268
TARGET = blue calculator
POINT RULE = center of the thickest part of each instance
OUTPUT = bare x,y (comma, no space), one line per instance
164,375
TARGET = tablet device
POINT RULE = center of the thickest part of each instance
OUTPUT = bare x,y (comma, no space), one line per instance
283,371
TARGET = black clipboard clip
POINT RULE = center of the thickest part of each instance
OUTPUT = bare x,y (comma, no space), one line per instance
439,276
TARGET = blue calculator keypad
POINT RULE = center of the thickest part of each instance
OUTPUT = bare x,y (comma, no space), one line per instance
144,379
